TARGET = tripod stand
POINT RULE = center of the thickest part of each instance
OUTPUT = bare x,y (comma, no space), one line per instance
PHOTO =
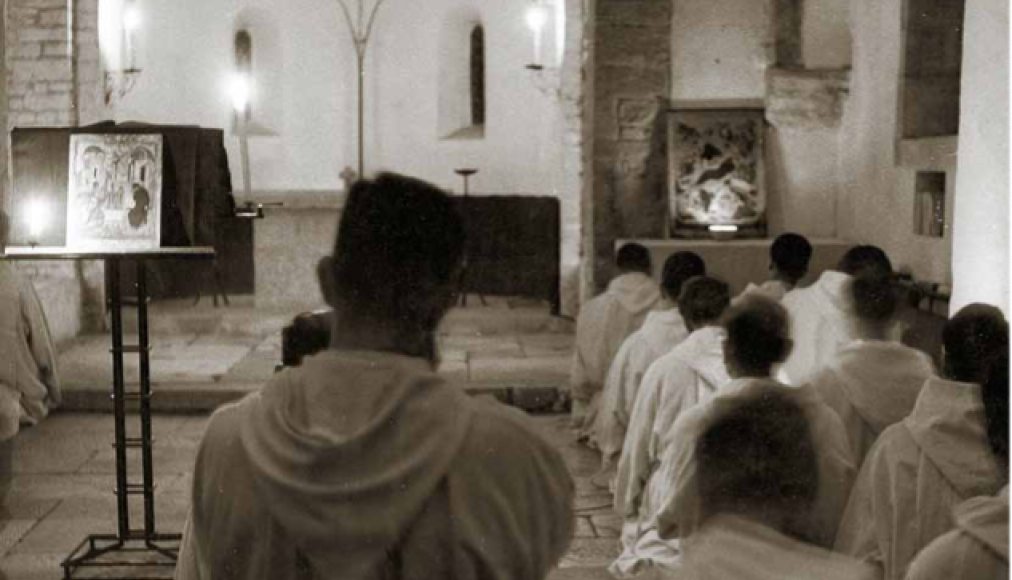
466,173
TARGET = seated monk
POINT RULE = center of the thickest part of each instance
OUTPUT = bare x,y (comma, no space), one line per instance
789,257
978,546
692,372
362,462
757,339
874,381
603,324
758,480
661,331
822,315
922,467
29,385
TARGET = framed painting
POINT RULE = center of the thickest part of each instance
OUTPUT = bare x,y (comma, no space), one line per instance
115,192
716,176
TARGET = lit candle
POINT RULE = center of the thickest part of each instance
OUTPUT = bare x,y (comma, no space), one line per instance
36,218
131,22
536,18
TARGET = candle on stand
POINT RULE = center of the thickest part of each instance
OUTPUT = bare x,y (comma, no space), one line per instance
36,216
131,22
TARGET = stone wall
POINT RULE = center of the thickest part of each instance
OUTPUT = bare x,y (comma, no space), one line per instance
631,84
53,78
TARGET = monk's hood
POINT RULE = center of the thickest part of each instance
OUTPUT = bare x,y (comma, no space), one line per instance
347,448
703,352
986,519
635,292
661,325
833,295
882,379
948,425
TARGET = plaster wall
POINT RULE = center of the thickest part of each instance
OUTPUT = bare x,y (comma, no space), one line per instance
720,48
981,244
876,201
185,49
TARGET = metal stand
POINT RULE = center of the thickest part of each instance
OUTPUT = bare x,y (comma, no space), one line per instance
466,174
139,551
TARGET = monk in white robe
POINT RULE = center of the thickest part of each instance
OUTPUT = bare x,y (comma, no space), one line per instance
362,463
661,331
692,372
757,339
921,468
977,548
603,324
789,257
29,383
872,382
758,480
822,315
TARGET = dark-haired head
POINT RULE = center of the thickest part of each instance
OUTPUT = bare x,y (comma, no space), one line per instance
994,392
865,258
756,460
703,300
789,257
679,268
633,257
875,302
758,336
395,264
973,339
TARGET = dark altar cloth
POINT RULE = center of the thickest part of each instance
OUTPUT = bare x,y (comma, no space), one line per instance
513,246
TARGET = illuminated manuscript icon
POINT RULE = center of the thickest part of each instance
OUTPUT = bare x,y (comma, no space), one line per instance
114,202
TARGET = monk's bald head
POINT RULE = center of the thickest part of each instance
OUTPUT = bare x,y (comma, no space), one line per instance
973,339
399,247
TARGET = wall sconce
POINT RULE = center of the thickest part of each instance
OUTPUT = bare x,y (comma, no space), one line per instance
119,23
545,74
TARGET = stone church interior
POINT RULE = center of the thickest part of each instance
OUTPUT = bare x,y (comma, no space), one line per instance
513,289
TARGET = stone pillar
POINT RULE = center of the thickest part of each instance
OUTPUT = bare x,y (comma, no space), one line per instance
980,245
53,79
631,84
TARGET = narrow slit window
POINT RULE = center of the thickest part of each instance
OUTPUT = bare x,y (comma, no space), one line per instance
478,76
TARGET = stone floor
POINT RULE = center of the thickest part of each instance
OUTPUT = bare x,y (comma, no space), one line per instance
202,357
64,476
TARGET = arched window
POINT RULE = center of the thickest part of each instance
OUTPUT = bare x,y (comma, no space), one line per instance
478,76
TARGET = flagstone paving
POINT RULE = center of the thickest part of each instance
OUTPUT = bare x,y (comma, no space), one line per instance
202,357
64,475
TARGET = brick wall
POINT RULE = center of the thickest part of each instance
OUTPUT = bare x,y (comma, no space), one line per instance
631,84
54,79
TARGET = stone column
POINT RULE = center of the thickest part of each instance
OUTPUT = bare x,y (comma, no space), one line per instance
631,84
980,245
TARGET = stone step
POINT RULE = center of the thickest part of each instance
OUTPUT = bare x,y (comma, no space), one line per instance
181,316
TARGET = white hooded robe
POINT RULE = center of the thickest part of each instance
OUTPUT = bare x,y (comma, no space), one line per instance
691,373
661,332
821,322
915,474
872,384
603,324
366,465
977,548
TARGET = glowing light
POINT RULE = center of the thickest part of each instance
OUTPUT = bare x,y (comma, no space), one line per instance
36,218
723,228
239,91
537,17
131,18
